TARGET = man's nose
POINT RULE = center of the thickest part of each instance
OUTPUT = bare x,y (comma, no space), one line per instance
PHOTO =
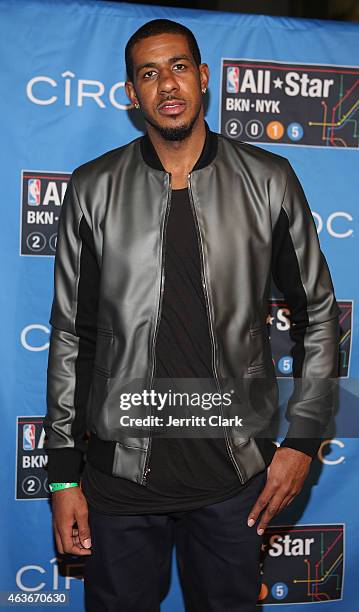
167,82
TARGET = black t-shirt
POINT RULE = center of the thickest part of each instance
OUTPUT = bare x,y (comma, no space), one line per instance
185,473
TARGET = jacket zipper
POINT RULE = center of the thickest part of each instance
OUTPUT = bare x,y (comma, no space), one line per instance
213,342
146,469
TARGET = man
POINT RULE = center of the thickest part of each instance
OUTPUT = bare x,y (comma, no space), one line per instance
166,248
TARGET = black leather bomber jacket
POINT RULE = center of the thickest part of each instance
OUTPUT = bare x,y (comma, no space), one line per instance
253,224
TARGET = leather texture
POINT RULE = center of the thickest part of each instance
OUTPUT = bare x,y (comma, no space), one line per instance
253,224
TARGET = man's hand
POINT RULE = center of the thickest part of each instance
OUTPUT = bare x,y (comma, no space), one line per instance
69,506
286,476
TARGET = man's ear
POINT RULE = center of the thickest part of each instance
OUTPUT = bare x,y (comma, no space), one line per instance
131,93
204,76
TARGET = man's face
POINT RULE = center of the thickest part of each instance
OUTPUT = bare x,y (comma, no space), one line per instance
167,84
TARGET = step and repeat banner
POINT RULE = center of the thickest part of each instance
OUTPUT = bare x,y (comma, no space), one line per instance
290,86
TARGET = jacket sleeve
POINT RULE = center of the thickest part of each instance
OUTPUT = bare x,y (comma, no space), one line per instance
72,341
301,273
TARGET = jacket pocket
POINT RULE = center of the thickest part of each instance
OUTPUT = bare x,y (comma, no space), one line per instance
258,368
104,353
255,331
258,355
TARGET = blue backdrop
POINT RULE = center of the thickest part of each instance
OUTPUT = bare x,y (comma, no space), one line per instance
287,85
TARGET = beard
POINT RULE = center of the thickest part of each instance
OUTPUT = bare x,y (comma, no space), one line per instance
175,133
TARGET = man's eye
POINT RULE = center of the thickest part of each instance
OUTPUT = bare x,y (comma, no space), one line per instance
149,74
179,66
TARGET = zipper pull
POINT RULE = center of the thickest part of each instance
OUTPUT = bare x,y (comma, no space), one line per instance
147,471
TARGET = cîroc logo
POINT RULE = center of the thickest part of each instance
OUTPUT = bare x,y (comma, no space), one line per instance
337,458
69,90
35,337
336,224
33,578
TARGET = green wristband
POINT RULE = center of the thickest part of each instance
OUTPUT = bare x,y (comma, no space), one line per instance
58,486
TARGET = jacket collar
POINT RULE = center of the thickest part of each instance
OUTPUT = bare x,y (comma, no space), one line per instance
208,154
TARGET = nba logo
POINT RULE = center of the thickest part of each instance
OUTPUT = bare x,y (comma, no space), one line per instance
232,79
33,192
28,437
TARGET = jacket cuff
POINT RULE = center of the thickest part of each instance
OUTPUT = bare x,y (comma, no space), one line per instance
64,464
303,435
267,448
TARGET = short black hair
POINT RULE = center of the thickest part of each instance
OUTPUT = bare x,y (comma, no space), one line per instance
153,28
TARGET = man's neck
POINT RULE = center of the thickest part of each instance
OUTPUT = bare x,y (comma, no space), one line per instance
178,157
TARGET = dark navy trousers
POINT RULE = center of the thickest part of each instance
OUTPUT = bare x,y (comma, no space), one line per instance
217,557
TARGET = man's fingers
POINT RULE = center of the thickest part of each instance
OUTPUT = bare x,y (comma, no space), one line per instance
285,477
269,503
58,541
83,529
69,508
261,503
271,511
78,550
69,546
270,489
76,541
76,538
286,502
276,506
